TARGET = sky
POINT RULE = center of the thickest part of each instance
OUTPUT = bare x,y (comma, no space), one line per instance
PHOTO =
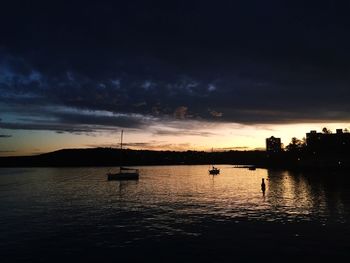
174,75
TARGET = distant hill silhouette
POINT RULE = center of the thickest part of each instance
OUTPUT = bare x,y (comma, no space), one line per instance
297,159
113,157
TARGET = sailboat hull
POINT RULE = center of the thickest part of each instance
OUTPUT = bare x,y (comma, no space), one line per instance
124,172
214,171
122,176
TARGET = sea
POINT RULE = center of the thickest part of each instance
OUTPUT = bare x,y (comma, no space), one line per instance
173,214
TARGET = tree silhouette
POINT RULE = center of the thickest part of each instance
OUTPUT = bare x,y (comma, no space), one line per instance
296,145
325,130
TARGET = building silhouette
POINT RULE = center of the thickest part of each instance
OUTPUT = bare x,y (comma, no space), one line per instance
273,145
318,142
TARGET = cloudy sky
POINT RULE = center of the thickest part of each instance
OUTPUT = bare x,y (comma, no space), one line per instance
172,74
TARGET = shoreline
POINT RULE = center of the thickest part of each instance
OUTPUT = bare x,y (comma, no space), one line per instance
108,157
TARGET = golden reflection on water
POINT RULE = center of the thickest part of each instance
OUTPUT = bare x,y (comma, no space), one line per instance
233,193
292,194
68,208
169,192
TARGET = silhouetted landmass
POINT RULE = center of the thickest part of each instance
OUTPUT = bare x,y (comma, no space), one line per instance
113,157
296,158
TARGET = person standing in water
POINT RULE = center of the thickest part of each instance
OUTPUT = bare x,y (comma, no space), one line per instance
263,186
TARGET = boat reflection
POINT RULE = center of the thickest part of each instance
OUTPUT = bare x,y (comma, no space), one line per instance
179,202
188,192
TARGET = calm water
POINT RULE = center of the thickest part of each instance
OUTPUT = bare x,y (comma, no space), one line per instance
173,213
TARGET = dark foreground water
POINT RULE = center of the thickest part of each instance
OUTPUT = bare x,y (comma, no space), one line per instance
172,214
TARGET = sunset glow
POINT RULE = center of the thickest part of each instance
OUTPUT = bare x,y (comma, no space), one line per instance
183,77
221,137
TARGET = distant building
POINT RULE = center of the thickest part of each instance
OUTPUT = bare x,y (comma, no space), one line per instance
273,145
322,142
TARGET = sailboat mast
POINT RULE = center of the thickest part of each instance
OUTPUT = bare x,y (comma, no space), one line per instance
121,150
121,141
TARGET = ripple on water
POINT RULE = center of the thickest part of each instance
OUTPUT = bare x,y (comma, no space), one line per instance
79,204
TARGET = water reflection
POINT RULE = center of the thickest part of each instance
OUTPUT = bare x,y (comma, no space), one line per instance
78,205
291,194
308,196
123,187
180,191
235,193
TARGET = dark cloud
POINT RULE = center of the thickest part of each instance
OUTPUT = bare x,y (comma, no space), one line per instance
153,145
66,120
47,127
180,112
215,113
247,62
182,132
5,136
127,121
138,145
239,148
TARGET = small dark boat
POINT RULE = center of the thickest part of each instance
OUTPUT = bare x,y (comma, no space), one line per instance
124,172
252,168
214,170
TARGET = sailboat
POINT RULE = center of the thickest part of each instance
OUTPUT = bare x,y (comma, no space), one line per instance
214,170
124,172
